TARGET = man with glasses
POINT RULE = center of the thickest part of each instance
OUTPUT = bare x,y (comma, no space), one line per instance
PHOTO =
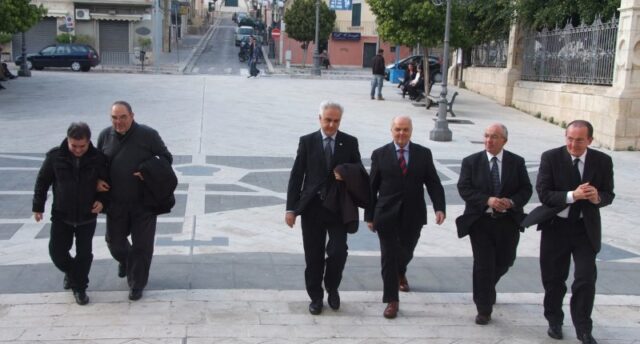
128,145
495,186
574,182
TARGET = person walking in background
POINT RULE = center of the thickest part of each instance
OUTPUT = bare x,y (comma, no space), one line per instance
312,176
574,182
128,146
495,187
377,68
73,169
399,172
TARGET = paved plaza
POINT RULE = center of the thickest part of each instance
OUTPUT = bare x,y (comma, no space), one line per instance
228,270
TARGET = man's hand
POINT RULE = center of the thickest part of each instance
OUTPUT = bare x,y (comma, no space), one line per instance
440,216
97,207
139,175
37,216
371,228
588,192
337,175
102,186
290,219
499,204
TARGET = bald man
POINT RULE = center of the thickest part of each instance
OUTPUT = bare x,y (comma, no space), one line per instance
399,172
494,185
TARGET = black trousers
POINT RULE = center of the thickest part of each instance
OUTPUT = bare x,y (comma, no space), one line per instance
140,223
558,244
494,243
396,251
324,259
76,268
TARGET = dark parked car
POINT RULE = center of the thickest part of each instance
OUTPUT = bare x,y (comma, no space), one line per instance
435,72
76,56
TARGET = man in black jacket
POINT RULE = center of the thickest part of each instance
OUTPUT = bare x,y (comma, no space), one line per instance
73,169
574,182
378,74
495,186
128,145
312,176
400,170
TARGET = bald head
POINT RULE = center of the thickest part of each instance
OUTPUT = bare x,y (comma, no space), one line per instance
401,129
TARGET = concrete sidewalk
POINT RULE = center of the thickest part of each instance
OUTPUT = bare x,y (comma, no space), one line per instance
226,268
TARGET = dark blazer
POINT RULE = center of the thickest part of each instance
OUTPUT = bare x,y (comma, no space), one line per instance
475,188
395,196
310,172
344,197
554,181
160,183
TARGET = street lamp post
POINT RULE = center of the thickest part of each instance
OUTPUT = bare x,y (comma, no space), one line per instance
24,69
441,130
316,53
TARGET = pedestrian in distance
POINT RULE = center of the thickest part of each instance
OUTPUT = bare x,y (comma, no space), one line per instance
574,182
378,67
135,152
311,180
399,172
495,187
73,169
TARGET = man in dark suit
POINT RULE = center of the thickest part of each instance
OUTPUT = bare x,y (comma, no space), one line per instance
574,182
311,177
495,185
399,172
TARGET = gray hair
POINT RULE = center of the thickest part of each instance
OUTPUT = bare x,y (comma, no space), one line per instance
505,132
327,104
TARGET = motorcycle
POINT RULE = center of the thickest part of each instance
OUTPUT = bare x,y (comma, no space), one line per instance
243,54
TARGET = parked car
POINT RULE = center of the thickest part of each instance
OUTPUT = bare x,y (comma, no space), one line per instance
241,32
76,56
435,72
239,16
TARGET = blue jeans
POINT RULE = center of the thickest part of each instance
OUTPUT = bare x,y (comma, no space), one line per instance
377,82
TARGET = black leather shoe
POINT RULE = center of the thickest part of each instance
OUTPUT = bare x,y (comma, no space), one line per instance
135,294
555,331
122,270
81,297
315,307
483,319
66,285
587,338
334,300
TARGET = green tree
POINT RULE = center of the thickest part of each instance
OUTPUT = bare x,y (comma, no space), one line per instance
536,14
19,15
301,22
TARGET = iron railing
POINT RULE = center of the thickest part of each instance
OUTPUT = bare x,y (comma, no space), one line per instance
117,58
493,54
576,55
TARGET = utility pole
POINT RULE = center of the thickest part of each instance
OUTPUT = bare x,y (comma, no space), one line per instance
441,130
316,53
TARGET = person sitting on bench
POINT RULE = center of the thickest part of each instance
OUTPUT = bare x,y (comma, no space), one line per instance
416,86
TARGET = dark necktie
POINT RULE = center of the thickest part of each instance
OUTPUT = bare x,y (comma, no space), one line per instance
576,207
495,176
328,153
402,162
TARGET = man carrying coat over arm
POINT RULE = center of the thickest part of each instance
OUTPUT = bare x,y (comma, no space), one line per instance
312,177
495,186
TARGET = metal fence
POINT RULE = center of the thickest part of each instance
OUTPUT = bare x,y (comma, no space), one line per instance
576,55
493,54
117,58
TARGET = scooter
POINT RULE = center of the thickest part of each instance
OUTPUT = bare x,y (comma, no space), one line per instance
243,54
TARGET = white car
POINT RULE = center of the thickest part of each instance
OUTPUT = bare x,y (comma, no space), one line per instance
243,31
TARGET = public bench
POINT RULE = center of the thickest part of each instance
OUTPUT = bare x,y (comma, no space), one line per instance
433,100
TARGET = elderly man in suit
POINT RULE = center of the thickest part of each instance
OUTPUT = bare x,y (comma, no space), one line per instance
574,182
311,177
495,186
399,172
